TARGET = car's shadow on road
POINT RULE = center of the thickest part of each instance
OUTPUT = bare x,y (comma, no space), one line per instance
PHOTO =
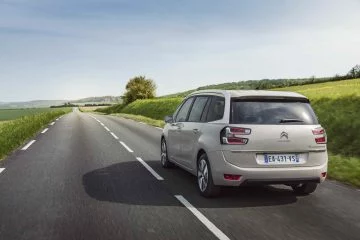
130,183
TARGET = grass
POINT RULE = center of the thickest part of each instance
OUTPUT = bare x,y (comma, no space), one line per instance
91,108
139,118
344,169
14,133
153,108
10,114
332,90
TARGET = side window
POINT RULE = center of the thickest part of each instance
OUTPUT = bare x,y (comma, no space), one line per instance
184,110
216,109
197,109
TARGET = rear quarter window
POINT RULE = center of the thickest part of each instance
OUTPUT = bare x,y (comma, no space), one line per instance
272,112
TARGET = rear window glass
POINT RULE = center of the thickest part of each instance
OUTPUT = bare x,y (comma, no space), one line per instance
272,112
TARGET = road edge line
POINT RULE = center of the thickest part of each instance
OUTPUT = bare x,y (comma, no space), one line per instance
28,145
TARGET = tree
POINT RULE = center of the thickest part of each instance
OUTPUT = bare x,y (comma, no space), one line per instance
139,87
354,72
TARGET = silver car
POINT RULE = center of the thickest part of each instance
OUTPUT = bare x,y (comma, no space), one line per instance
234,138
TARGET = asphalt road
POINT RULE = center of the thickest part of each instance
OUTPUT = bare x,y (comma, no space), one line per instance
78,181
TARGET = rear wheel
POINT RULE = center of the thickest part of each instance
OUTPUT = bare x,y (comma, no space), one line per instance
304,188
204,178
164,156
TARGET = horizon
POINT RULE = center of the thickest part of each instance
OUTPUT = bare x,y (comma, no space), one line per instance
79,49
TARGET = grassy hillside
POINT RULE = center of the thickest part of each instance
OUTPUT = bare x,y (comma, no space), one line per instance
153,108
14,133
262,84
333,90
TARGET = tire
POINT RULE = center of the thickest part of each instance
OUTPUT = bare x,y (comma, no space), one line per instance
305,188
165,163
205,182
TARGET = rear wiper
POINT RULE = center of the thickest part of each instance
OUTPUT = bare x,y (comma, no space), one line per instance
289,120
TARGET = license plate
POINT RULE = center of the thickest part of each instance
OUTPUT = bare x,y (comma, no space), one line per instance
279,159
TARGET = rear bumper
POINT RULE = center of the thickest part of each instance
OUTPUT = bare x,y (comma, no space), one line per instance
262,175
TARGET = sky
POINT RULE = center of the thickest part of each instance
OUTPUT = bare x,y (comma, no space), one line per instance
70,49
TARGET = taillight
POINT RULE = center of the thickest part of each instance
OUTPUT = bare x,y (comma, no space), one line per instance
233,135
318,131
320,135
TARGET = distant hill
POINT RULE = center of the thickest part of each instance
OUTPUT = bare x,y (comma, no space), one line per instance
48,103
104,99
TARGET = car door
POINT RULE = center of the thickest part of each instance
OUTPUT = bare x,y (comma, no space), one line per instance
191,132
174,132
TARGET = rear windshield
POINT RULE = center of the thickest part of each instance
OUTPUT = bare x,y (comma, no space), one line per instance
272,112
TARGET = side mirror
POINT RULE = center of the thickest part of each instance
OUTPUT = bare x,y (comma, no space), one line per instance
169,119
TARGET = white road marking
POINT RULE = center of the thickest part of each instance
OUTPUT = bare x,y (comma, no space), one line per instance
107,129
217,232
28,145
102,124
45,130
125,146
116,137
152,171
159,128
57,119
142,123
2,169
52,123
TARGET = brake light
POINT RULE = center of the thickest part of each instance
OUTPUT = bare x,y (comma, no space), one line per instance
233,135
320,139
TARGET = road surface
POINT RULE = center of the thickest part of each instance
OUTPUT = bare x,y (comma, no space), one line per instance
99,177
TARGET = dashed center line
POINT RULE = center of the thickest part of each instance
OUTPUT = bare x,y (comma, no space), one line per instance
217,232
28,145
57,119
45,130
107,129
150,169
52,123
126,147
102,124
2,169
116,137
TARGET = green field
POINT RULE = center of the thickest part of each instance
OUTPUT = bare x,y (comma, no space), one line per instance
10,114
15,132
332,90
336,103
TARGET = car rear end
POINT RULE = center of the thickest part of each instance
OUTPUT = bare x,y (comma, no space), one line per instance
271,140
